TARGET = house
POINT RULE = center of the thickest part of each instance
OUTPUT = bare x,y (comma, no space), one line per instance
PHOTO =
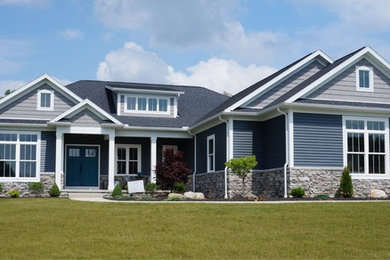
304,123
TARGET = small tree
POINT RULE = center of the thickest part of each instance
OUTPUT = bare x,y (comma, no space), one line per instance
171,170
241,167
346,187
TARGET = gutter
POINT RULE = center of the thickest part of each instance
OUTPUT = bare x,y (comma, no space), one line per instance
227,153
287,150
194,173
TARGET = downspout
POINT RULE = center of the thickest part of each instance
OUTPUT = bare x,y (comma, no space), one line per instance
194,173
287,150
227,153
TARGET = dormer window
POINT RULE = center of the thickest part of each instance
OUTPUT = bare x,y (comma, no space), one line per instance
146,104
364,79
45,100
163,105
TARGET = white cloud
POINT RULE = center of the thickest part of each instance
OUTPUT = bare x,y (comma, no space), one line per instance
221,75
133,63
367,15
10,84
173,23
71,34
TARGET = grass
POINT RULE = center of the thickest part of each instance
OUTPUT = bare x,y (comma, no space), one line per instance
60,228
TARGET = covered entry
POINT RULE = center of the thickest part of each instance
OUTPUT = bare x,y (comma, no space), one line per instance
82,165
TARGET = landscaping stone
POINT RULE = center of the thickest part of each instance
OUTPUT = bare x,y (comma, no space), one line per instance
194,195
251,197
378,194
175,196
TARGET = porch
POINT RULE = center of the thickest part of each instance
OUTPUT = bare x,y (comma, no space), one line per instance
97,162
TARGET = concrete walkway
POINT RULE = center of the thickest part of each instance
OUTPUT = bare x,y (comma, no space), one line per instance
98,197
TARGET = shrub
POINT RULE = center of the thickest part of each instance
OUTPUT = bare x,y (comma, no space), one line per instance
172,169
1,187
145,198
241,167
297,192
36,187
179,187
322,196
117,191
346,187
151,187
174,199
54,191
14,193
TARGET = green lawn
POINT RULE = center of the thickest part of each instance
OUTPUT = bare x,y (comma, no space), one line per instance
51,228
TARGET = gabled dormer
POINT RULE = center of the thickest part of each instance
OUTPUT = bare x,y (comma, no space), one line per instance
139,100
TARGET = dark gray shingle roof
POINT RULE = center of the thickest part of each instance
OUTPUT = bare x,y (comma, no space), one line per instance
23,121
192,105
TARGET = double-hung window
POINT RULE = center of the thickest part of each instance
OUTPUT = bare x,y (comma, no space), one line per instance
366,146
45,100
211,153
128,159
364,78
19,155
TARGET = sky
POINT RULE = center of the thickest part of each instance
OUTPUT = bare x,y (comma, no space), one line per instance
225,45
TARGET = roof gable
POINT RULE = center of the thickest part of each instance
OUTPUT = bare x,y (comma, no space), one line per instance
331,71
86,104
45,78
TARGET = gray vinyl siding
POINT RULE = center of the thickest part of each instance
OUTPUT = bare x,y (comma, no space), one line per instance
220,148
145,150
318,140
343,86
274,143
26,106
287,85
86,118
48,151
248,139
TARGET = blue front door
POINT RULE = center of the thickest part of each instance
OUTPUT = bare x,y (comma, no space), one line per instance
82,165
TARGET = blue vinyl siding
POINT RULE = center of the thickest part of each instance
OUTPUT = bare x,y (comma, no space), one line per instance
265,139
274,142
48,151
248,139
318,140
220,148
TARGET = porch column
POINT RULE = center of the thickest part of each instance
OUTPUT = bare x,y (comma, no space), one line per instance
59,159
153,158
111,161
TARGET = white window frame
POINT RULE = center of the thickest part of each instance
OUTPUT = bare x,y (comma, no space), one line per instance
137,111
370,78
139,155
366,132
210,137
17,177
45,91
